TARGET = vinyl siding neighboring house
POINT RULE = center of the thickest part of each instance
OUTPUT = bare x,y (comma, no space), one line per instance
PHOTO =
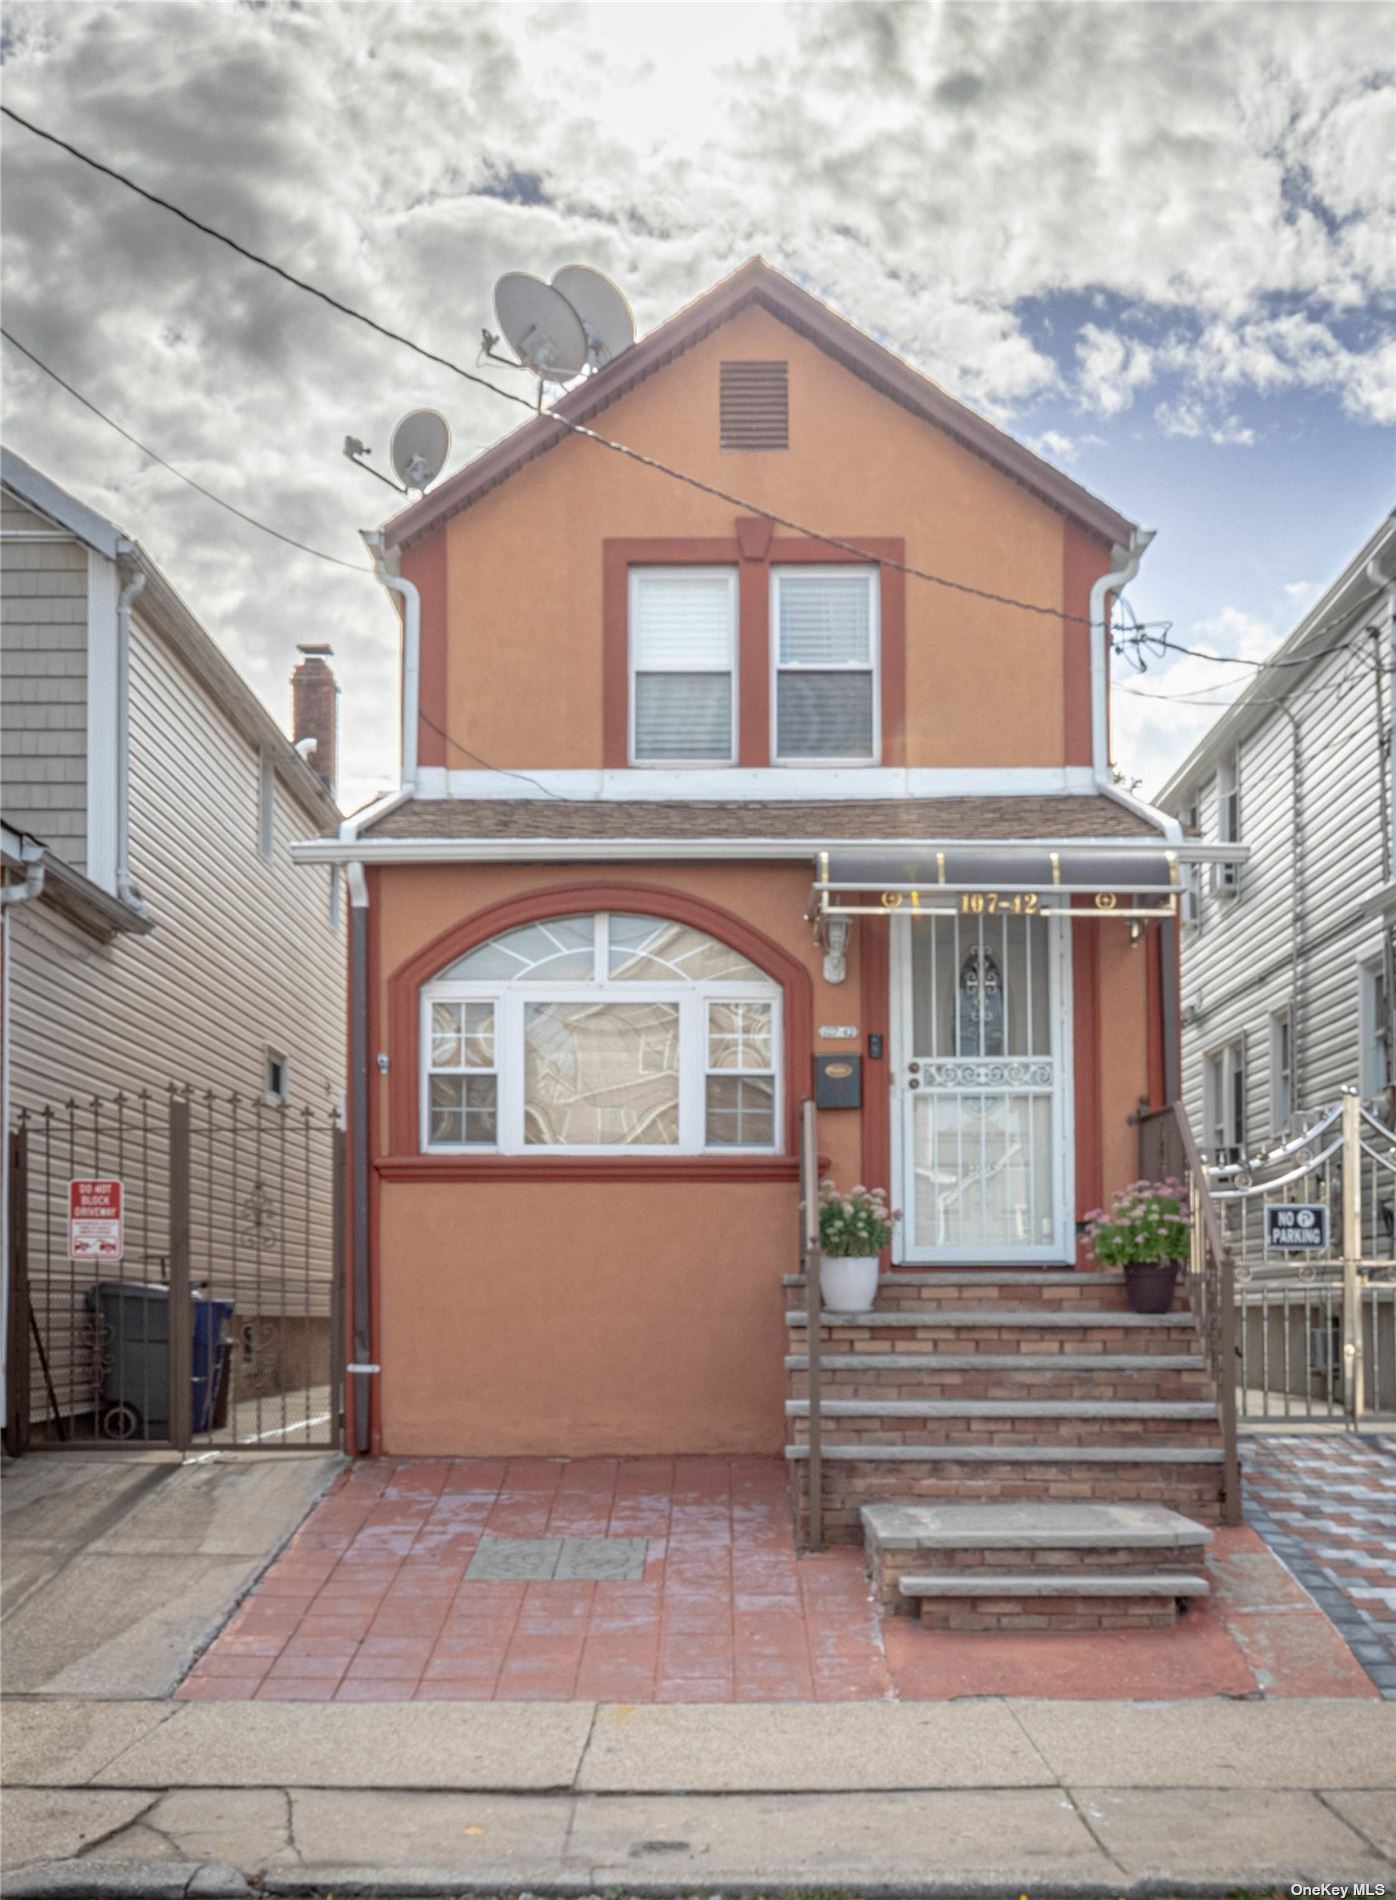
188,951
1310,745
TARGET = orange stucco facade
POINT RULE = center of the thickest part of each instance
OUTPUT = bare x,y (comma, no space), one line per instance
548,1304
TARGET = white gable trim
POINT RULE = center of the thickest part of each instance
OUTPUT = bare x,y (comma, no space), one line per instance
93,530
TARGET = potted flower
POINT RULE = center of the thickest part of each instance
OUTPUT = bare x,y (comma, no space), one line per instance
1146,1233
854,1227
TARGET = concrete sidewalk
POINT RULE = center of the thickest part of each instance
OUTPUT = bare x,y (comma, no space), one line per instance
991,1796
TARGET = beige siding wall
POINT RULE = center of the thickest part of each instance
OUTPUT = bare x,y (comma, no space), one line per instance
243,955
1304,909
43,683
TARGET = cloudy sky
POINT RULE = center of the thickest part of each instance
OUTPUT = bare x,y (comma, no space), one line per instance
1157,241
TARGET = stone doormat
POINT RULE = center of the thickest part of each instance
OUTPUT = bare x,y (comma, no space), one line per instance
576,1559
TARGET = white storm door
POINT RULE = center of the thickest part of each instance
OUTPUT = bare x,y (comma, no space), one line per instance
981,1088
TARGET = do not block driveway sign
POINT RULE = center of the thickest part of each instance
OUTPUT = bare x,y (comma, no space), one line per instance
95,1221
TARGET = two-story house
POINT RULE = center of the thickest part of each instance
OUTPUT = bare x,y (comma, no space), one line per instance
692,797
157,935
1287,960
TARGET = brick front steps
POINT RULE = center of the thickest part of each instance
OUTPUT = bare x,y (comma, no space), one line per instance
973,1386
1034,1566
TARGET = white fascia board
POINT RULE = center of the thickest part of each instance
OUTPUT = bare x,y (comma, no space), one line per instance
103,750
370,813
662,850
1168,825
733,782
93,530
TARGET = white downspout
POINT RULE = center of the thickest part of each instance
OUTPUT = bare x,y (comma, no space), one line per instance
125,888
32,855
1124,565
411,652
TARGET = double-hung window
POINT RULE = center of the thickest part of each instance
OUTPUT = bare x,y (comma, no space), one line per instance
683,673
1226,1102
602,1034
824,643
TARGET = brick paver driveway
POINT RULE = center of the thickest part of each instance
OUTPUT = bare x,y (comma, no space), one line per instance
1325,1502
677,1579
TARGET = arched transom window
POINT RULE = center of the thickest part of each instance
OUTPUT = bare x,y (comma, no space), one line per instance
601,1034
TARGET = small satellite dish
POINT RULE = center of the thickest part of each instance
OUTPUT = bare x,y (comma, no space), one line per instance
421,442
541,327
605,314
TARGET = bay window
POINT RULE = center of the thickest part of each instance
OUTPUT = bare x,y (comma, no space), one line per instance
824,640
604,1034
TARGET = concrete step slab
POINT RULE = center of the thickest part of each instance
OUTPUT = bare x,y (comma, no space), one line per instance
1046,1525
1015,1454
1048,1583
1166,1411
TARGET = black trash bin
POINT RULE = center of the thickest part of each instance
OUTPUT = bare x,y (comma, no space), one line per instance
134,1357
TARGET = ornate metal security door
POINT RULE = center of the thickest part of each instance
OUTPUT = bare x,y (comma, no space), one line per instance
981,1087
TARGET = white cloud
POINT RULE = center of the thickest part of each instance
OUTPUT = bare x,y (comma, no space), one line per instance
1191,169
1187,417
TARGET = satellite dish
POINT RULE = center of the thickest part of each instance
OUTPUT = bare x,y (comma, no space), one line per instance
421,442
605,314
542,328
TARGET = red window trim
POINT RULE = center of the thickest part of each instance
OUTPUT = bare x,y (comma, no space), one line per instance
404,1038
753,550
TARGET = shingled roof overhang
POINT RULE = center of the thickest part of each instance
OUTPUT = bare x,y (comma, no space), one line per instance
756,283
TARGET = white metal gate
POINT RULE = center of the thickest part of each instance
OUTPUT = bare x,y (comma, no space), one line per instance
981,1087
1315,1329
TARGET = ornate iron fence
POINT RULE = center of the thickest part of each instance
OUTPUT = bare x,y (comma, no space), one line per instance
231,1214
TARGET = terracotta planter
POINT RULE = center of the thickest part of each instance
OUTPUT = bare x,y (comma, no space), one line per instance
1149,1285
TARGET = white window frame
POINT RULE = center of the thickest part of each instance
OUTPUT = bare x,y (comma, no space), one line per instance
274,1097
1282,1098
636,574
1374,1053
803,570
1229,798
1225,1066
510,1000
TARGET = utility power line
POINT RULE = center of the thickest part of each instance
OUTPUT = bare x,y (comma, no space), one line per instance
579,429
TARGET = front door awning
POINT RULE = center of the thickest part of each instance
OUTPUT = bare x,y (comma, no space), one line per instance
1016,880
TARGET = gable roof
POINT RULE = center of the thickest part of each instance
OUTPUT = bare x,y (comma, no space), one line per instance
756,283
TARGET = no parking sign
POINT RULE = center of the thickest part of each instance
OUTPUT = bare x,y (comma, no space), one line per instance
1296,1227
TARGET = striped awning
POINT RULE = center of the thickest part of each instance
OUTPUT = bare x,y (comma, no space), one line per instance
1019,879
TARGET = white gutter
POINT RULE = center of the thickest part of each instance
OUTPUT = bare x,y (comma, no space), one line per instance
361,851
1124,565
125,888
411,650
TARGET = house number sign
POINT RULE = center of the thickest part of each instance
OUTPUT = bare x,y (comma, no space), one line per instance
839,1032
1296,1227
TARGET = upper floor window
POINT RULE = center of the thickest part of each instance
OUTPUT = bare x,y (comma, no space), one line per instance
824,644
1225,1081
1374,1029
683,642
1281,1071
1229,799
601,1034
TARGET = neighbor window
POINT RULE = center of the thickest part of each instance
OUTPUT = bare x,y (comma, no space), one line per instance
1374,1028
1229,799
1281,1071
278,1079
1226,1102
683,642
824,644
602,1034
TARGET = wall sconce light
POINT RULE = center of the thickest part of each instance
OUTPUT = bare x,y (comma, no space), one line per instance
836,948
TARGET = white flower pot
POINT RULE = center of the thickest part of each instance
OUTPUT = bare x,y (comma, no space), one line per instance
848,1281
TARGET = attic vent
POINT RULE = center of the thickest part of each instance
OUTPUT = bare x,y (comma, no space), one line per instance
756,405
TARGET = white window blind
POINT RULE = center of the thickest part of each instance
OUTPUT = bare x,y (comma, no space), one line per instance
826,661
682,645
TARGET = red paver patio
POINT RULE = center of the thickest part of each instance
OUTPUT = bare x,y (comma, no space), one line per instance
369,1603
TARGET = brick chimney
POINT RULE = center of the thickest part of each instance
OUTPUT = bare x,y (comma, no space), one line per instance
315,710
